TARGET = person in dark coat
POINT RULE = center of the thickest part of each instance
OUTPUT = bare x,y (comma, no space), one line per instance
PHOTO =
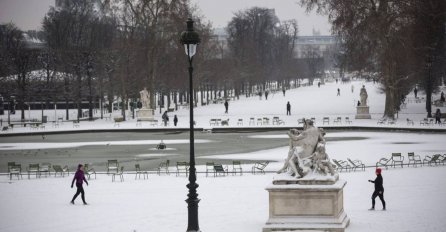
165,118
79,178
226,106
175,120
379,189
339,92
438,116
415,91
288,108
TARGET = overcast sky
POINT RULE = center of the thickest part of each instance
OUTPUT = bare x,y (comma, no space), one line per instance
28,14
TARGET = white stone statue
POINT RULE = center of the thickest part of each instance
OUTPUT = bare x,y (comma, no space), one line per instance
321,161
363,95
302,146
145,98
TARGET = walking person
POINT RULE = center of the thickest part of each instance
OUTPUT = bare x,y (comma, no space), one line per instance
438,116
79,177
339,92
288,108
379,189
266,94
283,90
175,120
415,91
226,106
165,118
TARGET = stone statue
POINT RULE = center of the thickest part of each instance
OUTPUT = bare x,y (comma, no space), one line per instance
145,98
363,95
321,161
302,146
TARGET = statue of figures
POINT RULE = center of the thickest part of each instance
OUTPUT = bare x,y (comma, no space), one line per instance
321,161
363,95
145,98
302,146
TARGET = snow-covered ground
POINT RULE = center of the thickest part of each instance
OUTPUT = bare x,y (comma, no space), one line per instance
415,196
309,101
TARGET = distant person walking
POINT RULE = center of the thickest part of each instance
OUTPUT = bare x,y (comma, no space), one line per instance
415,91
442,96
266,94
438,117
165,118
226,106
283,90
175,120
79,178
379,189
319,84
288,108
339,92
353,88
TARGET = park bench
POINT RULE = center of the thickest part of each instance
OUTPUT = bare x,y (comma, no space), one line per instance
259,167
213,122
397,158
259,121
182,167
391,122
218,122
381,121
120,173
300,121
410,122
76,124
138,172
265,121
251,121
414,159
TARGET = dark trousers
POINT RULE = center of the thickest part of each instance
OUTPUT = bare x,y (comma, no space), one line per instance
377,193
288,112
80,190
226,110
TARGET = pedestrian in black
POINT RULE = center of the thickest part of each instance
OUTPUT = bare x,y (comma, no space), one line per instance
438,116
319,84
175,120
266,95
165,118
359,103
226,106
79,177
442,97
283,90
415,91
379,189
288,108
339,92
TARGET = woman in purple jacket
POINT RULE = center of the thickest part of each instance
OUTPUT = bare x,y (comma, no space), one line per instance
79,178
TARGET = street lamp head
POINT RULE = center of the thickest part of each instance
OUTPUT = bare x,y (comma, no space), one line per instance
190,39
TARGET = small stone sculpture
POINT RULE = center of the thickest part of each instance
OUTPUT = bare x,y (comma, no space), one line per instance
363,95
321,161
145,98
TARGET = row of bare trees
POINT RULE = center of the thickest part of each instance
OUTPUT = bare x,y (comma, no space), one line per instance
403,41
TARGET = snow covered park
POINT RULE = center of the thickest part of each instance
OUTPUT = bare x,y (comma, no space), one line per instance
414,195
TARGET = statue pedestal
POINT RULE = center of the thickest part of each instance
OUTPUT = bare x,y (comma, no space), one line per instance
144,114
362,112
307,207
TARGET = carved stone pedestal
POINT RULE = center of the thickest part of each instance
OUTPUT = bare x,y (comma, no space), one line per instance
144,114
362,112
307,207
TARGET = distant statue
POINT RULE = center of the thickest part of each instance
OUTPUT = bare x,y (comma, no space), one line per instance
363,95
302,146
145,98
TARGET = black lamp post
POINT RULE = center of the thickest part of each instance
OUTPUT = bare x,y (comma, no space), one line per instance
190,40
